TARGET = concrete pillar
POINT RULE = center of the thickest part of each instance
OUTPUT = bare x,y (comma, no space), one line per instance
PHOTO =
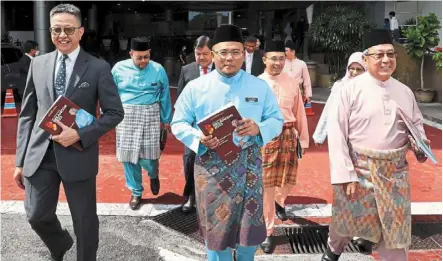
269,18
219,19
252,18
92,19
3,18
41,26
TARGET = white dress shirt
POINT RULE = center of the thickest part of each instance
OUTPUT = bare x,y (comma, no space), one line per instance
248,61
70,61
201,69
31,57
394,24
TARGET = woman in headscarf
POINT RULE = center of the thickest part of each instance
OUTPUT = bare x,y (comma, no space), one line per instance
356,66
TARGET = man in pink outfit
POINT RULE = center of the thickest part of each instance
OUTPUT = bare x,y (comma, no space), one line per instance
298,70
367,149
280,156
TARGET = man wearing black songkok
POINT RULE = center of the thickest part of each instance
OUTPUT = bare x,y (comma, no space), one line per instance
368,144
144,90
229,194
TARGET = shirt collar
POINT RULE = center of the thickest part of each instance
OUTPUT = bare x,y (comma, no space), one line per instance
383,84
230,80
72,56
29,56
272,77
209,67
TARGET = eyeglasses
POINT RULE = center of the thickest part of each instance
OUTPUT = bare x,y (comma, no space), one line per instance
224,53
379,56
275,59
59,30
140,58
359,70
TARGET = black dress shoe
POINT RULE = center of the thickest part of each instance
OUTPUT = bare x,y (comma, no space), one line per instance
280,212
268,245
134,203
364,246
155,186
69,243
189,205
329,256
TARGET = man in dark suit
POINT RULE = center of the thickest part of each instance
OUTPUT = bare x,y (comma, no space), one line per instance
30,49
202,65
43,162
253,63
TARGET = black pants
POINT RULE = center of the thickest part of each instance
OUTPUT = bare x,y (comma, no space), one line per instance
41,197
188,164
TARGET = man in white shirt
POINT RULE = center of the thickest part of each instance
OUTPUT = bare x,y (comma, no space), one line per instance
30,49
394,27
253,63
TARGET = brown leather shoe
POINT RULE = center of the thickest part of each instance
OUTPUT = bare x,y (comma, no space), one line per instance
134,203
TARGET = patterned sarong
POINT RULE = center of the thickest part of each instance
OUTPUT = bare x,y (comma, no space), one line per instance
280,161
383,206
229,199
138,135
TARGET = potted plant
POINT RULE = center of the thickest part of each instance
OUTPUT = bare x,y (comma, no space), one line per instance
338,31
419,41
437,58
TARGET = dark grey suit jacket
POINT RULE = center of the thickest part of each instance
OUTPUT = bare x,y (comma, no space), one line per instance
32,141
188,73
258,67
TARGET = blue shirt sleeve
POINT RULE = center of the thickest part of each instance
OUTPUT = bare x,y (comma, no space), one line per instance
182,121
165,98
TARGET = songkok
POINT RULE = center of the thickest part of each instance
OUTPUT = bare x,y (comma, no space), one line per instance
376,37
140,44
274,46
290,45
227,33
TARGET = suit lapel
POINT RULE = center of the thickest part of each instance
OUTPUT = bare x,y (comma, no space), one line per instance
50,61
80,66
195,71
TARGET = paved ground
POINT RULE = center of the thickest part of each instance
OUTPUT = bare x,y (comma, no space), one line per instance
124,236
313,178
121,238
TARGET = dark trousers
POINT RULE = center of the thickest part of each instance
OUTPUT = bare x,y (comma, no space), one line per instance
188,164
41,197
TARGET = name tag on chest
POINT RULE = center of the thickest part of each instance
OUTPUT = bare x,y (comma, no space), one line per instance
251,99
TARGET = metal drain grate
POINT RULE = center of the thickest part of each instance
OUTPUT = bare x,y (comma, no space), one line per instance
186,224
311,240
302,239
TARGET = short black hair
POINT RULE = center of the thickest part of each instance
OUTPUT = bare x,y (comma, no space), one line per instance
251,39
202,41
392,13
29,45
67,9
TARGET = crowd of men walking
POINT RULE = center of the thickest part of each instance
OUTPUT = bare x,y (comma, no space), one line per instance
236,202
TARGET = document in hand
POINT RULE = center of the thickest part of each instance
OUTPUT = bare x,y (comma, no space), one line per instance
222,124
68,113
418,138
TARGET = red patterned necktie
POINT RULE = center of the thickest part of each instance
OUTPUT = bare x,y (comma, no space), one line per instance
205,70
